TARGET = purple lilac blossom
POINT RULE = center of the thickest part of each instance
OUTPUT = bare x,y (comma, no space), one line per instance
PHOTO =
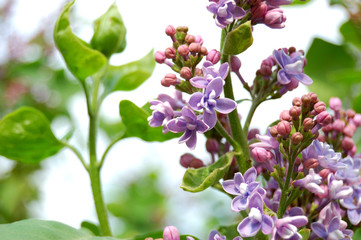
311,182
209,73
243,187
277,3
162,113
188,123
275,202
215,235
256,220
210,101
225,11
353,205
336,189
350,172
291,69
334,231
287,228
325,155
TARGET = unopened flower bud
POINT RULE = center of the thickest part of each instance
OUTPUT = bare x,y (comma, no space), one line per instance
357,120
183,50
213,56
319,107
297,102
338,125
198,39
159,57
190,39
324,118
347,143
273,131
204,51
295,112
328,128
252,133
188,160
285,115
324,173
199,72
349,130
284,128
212,145
261,155
170,30
259,10
311,163
352,152
170,52
170,79
335,104
350,113
274,18
296,138
196,163
235,64
195,47
186,73
182,29
171,233
306,101
314,98
321,138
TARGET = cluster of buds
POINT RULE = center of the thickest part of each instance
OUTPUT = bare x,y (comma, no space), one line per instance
344,125
268,12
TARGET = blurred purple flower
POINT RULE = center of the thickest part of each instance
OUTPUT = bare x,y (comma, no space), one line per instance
336,189
225,12
287,228
311,182
210,101
256,220
190,125
350,172
353,205
209,73
243,188
334,231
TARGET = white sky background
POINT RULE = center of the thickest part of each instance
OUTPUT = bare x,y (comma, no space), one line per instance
65,185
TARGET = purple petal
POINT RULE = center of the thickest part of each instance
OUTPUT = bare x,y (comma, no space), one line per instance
281,57
176,125
247,228
215,85
344,192
192,141
238,179
210,118
250,175
212,7
296,211
194,101
186,136
256,202
239,203
238,13
188,114
298,221
166,98
230,187
261,192
199,82
354,215
267,224
223,70
253,186
225,105
201,126
334,224
303,78
282,77
319,229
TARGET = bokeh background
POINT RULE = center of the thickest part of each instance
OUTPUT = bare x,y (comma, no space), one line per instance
141,179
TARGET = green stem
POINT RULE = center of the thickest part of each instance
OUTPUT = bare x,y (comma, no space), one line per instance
107,150
220,129
77,153
251,112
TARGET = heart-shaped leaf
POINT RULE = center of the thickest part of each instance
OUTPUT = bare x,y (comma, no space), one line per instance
238,40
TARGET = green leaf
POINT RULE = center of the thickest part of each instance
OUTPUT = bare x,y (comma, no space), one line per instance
351,33
229,231
356,104
109,32
305,233
197,180
131,75
26,136
81,60
238,40
136,124
93,228
298,2
33,229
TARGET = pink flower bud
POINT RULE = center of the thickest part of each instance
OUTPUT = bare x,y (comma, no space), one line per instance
338,125
314,98
352,152
159,57
198,39
306,101
357,120
259,10
297,102
213,56
190,38
311,163
170,53
170,30
295,112
186,73
324,173
252,133
261,155
319,107
274,18
235,64
350,129
335,104
324,118
350,113
170,79
195,47
212,145
284,128
296,138
183,50
285,115
321,138
188,160
204,51
347,143
273,131
171,233
328,128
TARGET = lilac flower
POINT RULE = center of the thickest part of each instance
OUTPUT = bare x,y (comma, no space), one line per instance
256,220
336,189
274,18
171,233
286,228
275,202
243,187
350,171
210,101
225,12
291,68
215,235
325,155
353,205
311,182
209,73
190,125
334,231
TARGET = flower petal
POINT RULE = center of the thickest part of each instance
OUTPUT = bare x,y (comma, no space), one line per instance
230,187
247,228
319,229
188,114
199,82
303,78
256,202
225,105
176,125
267,224
250,175
239,203
223,70
192,141
282,77
186,136
195,100
210,118
215,85
354,215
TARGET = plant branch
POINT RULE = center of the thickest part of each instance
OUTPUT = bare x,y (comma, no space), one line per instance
77,153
